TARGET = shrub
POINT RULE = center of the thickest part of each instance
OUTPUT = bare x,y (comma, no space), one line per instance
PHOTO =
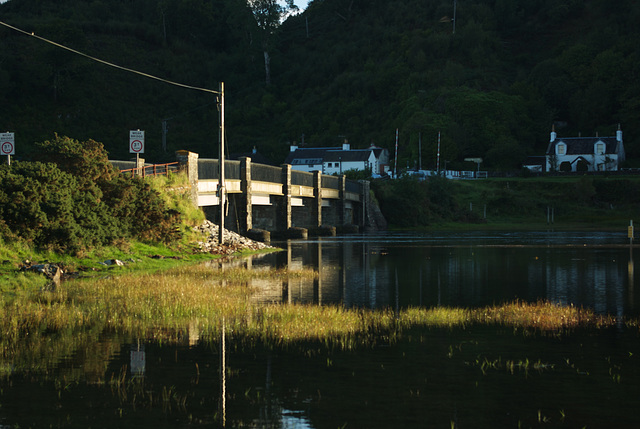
79,201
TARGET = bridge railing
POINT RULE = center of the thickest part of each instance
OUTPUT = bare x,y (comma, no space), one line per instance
266,173
209,168
353,186
232,170
301,178
331,182
146,170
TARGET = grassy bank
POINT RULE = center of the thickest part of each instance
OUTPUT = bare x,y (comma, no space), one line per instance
136,255
575,202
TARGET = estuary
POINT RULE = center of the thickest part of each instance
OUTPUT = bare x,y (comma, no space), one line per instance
468,375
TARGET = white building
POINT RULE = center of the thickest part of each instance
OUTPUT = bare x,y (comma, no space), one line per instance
585,153
338,160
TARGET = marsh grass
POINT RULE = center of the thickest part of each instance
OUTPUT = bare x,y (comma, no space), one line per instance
163,304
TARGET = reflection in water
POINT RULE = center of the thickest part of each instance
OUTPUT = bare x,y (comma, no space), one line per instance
138,359
395,271
223,374
434,378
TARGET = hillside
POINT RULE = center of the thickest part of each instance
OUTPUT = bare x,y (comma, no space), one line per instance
515,203
350,69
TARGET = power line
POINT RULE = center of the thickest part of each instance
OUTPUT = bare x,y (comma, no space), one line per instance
32,34
220,102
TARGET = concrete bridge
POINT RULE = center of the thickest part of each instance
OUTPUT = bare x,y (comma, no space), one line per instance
274,199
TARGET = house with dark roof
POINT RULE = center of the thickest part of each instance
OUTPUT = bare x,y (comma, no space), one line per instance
585,153
330,160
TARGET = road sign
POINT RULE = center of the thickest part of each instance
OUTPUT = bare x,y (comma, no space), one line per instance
476,160
136,141
7,144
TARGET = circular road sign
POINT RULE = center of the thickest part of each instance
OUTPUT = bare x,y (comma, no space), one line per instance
7,148
7,144
136,141
136,146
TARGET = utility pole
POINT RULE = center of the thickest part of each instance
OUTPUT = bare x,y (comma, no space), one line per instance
419,151
438,156
164,134
455,4
221,181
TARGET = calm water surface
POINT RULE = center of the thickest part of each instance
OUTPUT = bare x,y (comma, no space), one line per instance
470,269
480,377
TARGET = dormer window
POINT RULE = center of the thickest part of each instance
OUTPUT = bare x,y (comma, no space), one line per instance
599,150
561,149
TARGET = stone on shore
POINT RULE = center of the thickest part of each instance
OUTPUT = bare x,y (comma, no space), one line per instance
233,242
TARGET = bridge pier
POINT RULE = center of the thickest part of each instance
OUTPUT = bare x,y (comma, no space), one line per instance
316,210
246,204
283,204
188,162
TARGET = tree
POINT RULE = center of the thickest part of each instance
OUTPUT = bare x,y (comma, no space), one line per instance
268,15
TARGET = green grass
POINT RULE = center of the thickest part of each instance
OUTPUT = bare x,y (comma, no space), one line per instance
138,256
578,202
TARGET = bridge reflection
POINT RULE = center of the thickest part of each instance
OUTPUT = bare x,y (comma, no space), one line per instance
360,272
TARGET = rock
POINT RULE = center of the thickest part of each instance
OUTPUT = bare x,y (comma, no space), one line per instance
233,242
52,271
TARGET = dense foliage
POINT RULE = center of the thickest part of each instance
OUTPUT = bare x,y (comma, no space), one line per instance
586,201
355,69
73,199
409,203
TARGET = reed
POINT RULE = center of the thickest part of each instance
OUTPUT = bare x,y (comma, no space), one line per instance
203,298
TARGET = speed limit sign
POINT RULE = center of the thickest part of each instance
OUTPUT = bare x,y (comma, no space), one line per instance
7,144
136,141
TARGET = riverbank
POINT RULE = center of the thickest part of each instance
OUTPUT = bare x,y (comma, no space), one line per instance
162,304
23,266
566,203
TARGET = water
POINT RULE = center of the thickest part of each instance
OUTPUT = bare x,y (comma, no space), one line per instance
479,377
470,269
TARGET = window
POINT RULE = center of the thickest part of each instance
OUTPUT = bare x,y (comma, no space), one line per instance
599,148
561,149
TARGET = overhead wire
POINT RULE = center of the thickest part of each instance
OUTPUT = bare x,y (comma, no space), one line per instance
32,34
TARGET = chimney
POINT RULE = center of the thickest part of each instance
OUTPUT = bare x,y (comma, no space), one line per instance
619,134
553,134
346,145
293,147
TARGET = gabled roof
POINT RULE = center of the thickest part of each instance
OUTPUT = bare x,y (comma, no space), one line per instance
305,156
347,155
584,145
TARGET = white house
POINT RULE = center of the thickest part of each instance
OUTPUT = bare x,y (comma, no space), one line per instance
330,160
585,153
